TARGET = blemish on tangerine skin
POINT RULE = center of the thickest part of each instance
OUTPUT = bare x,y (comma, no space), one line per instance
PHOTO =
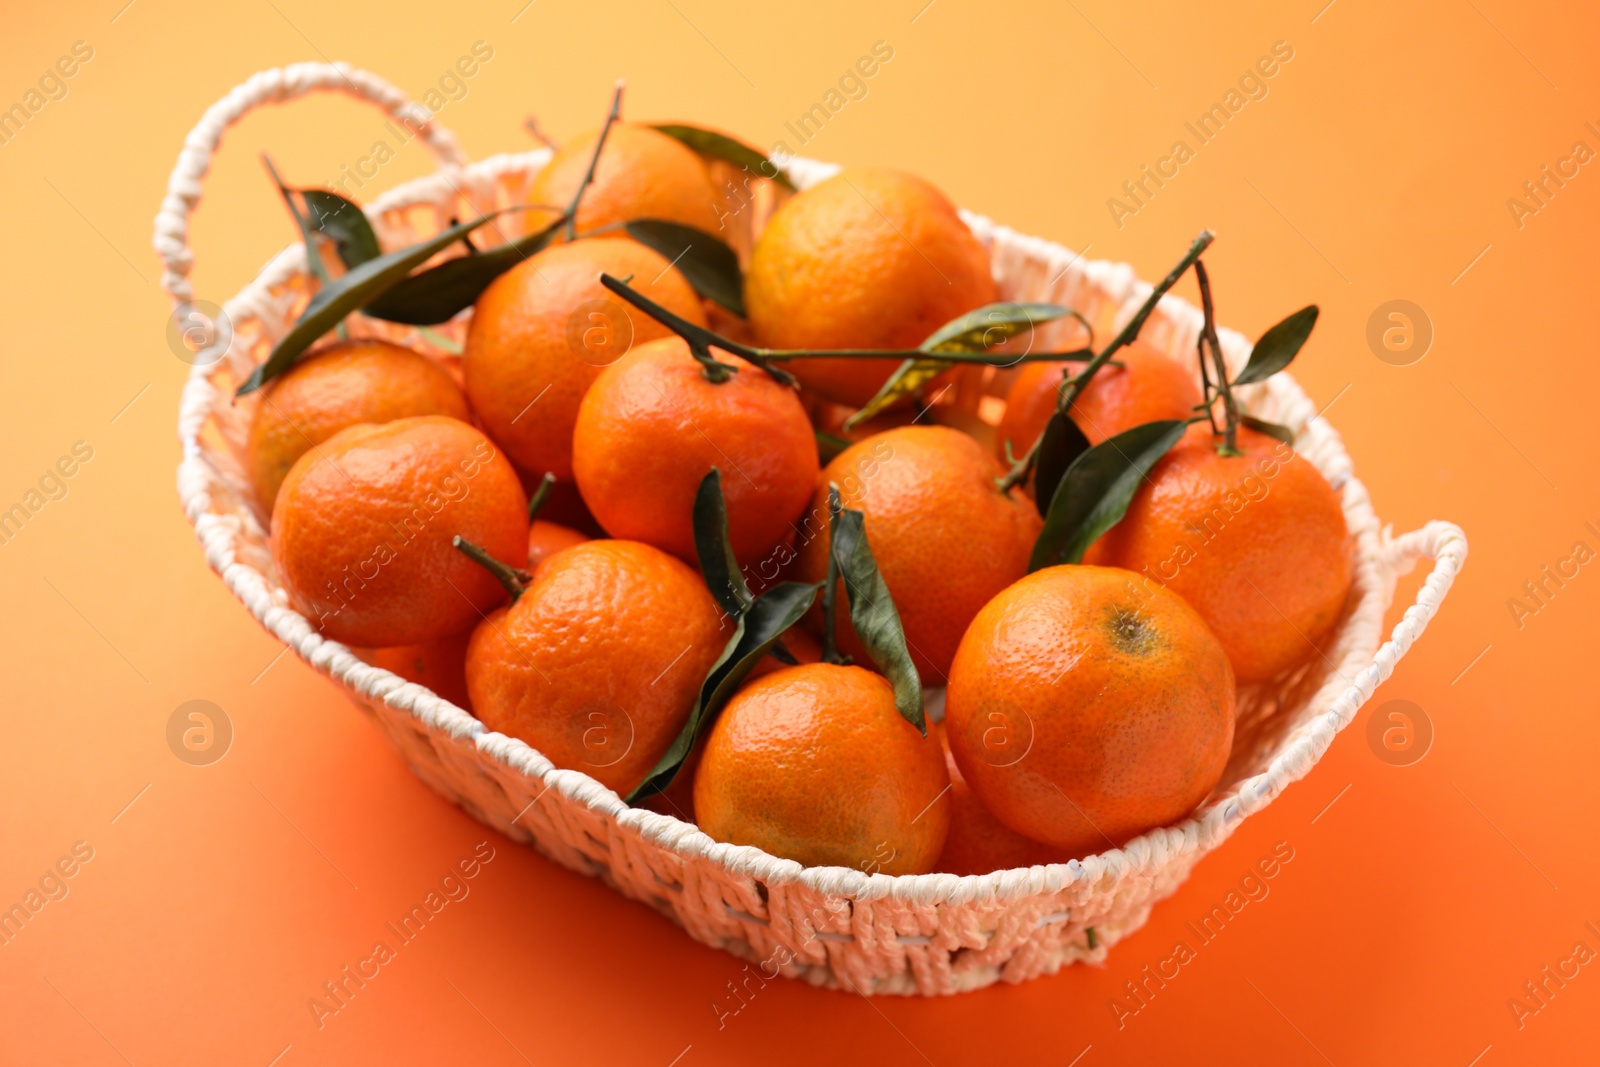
1130,632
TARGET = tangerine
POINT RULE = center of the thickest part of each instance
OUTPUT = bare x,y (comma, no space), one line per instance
866,259
642,174
338,386
653,425
815,764
362,530
542,332
946,540
979,843
1149,386
1257,543
1086,706
600,660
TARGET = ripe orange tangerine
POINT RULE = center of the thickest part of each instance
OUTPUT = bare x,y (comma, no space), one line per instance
544,330
653,425
945,538
362,530
599,662
867,259
1087,706
1257,543
642,174
815,764
338,386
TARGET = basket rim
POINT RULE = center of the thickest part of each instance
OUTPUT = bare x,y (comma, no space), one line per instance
1379,557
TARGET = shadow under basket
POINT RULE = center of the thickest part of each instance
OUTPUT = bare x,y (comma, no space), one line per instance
832,926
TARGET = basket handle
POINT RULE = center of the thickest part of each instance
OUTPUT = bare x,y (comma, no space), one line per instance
279,85
1446,545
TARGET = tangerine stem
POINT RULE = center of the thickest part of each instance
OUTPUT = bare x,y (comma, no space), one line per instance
701,339
1208,336
594,161
513,580
539,494
1072,387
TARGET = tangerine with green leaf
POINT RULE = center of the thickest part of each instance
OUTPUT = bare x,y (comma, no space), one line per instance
599,661
1147,387
816,764
642,174
1256,542
654,424
869,259
945,537
1087,706
543,331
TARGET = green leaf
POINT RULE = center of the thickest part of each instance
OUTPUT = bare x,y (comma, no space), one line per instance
990,325
755,634
711,544
1278,346
1062,443
343,295
976,331
344,223
1271,429
721,146
708,264
873,615
439,293
1095,492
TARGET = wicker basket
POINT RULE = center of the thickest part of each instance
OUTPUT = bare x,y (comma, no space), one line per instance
871,933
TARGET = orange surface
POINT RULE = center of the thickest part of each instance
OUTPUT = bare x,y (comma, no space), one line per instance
1378,167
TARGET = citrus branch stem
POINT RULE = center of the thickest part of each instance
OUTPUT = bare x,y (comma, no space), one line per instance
540,494
594,161
1208,336
701,340
1072,387
513,580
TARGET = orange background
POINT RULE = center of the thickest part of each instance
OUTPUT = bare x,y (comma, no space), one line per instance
1377,168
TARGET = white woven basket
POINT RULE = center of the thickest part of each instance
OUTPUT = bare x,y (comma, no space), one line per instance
872,933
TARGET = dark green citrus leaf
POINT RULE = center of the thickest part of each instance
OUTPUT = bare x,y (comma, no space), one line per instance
439,293
711,544
1061,443
1095,492
708,264
1278,346
721,146
345,294
755,633
873,615
1271,429
975,331
344,223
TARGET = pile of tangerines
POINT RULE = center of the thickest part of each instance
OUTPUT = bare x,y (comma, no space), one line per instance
759,533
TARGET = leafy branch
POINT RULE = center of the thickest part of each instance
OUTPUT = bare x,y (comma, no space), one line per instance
1073,386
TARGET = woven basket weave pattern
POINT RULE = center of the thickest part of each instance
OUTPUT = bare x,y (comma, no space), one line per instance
925,934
